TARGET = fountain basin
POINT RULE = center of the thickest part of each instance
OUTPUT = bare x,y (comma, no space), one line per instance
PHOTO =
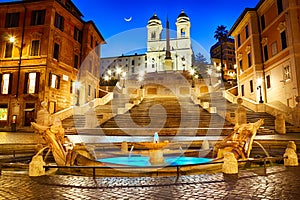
143,161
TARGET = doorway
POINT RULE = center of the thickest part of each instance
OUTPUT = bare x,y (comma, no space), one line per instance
29,113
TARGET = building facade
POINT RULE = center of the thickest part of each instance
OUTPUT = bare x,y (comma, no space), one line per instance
179,51
180,47
44,45
267,43
228,55
116,67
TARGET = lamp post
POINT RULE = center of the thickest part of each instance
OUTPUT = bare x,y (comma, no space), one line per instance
209,72
123,77
183,63
260,95
119,71
192,72
259,83
141,78
12,40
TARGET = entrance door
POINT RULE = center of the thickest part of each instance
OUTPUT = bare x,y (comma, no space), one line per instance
29,114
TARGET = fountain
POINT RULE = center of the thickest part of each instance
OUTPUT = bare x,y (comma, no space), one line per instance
238,142
130,152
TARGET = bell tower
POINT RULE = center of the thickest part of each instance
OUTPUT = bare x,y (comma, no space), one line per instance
154,28
183,25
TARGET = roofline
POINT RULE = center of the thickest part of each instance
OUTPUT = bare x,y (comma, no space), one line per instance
243,15
237,22
35,1
97,30
229,39
124,56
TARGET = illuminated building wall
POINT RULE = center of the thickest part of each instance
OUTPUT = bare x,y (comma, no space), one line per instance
267,40
54,42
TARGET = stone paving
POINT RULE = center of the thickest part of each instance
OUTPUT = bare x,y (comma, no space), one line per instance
278,183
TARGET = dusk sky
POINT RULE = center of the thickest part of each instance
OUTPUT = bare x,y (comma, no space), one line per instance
124,37
205,16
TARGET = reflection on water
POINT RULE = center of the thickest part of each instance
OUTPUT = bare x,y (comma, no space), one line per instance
143,161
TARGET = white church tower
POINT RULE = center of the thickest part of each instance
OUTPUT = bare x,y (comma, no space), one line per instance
178,50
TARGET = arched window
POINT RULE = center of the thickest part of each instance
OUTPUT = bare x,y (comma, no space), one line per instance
153,35
182,31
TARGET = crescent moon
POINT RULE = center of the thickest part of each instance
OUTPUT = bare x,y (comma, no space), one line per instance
128,19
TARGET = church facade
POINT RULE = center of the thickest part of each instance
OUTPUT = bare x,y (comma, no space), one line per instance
162,53
177,50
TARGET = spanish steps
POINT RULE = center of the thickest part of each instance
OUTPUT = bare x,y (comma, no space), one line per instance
169,115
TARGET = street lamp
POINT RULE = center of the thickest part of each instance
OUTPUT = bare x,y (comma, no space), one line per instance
12,40
123,77
209,72
259,83
119,71
192,72
183,62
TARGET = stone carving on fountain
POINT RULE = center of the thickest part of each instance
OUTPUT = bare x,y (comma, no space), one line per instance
64,152
239,142
155,148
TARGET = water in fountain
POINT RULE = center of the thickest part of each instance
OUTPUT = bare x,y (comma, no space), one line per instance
181,150
130,152
155,138
261,146
265,151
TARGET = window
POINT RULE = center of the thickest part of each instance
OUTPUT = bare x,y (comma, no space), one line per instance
77,35
90,66
3,112
262,22
132,62
56,51
241,64
247,31
54,81
35,46
72,87
239,40
76,61
283,40
182,31
89,90
274,48
38,17
279,6
59,21
242,90
31,85
91,41
8,50
266,56
95,94
153,35
249,59
6,83
132,70
251,86
12,20
268,81
97,49
286,73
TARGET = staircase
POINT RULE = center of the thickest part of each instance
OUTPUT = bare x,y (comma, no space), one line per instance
168,116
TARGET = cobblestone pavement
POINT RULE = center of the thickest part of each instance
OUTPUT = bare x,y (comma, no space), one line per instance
278,183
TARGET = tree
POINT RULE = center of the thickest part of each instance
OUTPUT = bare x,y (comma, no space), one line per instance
221,34
200,64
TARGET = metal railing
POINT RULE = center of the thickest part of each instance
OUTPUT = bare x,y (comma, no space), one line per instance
178,172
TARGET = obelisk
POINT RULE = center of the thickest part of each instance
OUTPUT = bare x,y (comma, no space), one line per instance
168,65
